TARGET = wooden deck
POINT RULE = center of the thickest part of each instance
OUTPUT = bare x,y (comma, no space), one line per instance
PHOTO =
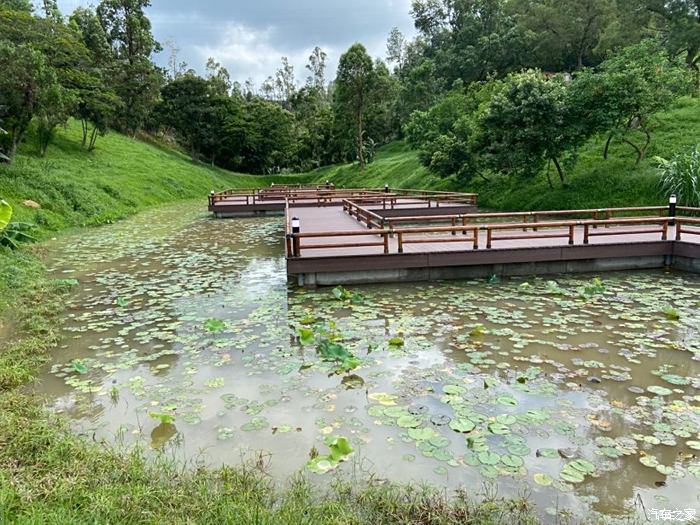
392,203
364,235
346,249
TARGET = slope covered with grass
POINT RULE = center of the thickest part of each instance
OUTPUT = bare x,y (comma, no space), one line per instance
594,182
121,177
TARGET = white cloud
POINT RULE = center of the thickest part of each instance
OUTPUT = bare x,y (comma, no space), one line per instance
250,53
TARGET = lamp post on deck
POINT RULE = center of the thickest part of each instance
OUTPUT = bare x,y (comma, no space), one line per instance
672,202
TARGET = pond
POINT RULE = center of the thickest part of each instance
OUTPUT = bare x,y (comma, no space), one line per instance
182,334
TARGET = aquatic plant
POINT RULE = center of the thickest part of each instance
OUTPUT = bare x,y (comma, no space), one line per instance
12,233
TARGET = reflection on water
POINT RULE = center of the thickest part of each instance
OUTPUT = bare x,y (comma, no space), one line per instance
183,332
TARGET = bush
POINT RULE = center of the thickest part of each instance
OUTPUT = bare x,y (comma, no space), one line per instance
681,176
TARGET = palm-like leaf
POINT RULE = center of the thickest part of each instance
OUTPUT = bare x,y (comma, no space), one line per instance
681,176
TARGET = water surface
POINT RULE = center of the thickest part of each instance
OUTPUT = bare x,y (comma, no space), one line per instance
183,333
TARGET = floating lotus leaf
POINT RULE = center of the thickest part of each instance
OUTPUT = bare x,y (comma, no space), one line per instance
462,425
659,390
408,421
488,458
543,479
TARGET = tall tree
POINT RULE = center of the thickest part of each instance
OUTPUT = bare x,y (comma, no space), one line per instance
186,107
396,47
317,69
353,93
218,77
136,79
51,11
566,33
97,103
27,86
681,29
285,82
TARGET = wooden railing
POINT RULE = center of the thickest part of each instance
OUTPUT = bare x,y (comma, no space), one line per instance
471,234
322,195
686,225
470,198
530,220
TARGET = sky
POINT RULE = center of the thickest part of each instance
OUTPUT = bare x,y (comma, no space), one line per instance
250,37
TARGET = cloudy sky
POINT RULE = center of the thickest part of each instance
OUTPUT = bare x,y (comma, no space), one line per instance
249,37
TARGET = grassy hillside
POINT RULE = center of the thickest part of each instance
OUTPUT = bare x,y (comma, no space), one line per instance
594,182
121,177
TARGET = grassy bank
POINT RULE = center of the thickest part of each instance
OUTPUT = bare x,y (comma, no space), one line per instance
121,177
50,476
594,182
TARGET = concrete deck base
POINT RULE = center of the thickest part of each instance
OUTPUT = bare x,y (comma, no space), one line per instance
419,267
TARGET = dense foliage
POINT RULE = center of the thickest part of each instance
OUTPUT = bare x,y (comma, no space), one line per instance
486,87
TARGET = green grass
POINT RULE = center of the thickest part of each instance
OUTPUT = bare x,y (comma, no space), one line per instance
48,475
121,177
593,183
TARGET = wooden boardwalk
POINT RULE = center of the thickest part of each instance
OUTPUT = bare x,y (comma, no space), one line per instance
349,246
361,236
332,220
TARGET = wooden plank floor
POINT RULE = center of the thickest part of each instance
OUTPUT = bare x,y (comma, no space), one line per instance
335,219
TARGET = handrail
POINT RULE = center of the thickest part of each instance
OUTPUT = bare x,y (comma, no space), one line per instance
525,215
687,221
403,234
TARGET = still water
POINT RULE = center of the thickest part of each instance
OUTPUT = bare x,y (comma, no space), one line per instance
182,334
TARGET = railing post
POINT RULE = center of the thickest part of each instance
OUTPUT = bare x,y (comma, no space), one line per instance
664,231
464,224
297,246
400,242
571,234
585,233
489,238
535,220
290,253
525,221
386,242
476,238
454,224
678,231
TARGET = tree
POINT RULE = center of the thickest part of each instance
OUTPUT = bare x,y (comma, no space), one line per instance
52,12
396,47
621,97
285,82
27,86
353,93
528,124
97,104
135,78
16,5
317,68
218,77
470,39
681,29
566,33
445,135
185,107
